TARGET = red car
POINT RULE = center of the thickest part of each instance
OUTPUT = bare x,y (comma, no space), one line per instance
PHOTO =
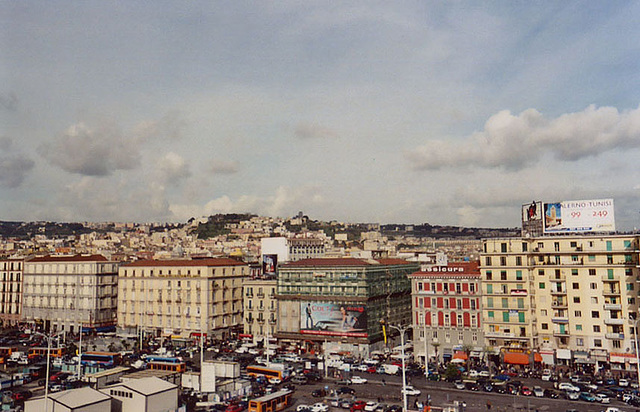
234,408
526,391
358,406
372,369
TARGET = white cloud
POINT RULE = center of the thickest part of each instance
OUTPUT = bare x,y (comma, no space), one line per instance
173,168
313,131
516,142
224,167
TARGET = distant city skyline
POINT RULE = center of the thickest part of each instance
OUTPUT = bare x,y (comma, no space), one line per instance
410,112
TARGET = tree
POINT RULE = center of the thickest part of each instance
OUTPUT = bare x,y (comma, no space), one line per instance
452,373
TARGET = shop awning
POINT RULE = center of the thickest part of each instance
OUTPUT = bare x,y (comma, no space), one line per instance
537,357
516,358
460,355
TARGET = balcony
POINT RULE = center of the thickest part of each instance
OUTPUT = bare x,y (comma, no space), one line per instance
558,292
560,319
559,304
614,321
612,306
616,336
272,321
611,292
561,334
499,335
607,278
260,295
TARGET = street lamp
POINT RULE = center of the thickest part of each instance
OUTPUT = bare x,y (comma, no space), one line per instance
49,338
402,330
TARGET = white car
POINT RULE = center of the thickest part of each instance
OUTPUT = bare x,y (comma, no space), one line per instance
623,383
320,407
361,368
566,386
302,407
538,392
473,373
371,406
358,379
275,381
411,391
602,398
484,374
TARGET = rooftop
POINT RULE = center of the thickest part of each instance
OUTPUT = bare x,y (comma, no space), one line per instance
185,262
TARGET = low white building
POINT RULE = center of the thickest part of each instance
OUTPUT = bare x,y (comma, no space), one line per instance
143,395
74,400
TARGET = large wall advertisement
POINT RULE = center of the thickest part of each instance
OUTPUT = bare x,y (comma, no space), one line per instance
579,216
333,319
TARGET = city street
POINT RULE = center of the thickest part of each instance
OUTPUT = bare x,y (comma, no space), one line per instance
444,394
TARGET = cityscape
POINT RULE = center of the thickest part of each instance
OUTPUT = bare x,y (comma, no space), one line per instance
319,206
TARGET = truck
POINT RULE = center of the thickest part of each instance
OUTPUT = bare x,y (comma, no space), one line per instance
390,369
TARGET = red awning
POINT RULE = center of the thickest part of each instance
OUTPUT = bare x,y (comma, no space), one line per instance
516,358
537,357
460,355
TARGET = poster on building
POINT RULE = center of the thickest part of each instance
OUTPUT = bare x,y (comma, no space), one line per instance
532,212
269,263
333,319
579,216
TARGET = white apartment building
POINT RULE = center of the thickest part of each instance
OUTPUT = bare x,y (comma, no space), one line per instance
260,308
11,291
562,299
182,297
62,292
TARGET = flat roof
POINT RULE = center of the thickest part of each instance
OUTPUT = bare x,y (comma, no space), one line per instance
76,398
146,386
107,372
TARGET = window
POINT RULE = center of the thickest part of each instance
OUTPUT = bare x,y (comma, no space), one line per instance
592,272
489,289
518,275
540,272
505,302
577,313
594,300
489,302
579,342
574,272
575,285
518,260
597,343
503,247
616,344
524,246
578,327
593,285
596,328
503,275
490,314
505,316
543,312
595,314
487,260
629,286
545,326
503,261
489,275
576,299
541,285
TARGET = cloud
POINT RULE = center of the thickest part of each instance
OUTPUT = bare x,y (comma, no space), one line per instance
224,167
9,102
169,127
516,142
14,167
91,152
313,131
173,168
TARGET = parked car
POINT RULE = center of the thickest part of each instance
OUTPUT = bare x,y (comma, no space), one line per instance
538,392
602,398
358,406
411,391
586,396
358,379
371,406
345,390
320,407
623,382
526,391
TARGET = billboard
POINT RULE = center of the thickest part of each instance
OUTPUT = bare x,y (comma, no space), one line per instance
532,211
269,264
333,319
579,216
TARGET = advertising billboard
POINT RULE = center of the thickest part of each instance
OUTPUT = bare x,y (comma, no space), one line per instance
333,319
579,216
269,264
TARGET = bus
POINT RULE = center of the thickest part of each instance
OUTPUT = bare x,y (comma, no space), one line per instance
42,352
5,353
104,359
167,366
274,402
275,370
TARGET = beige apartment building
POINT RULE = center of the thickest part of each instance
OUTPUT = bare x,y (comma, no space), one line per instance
260,308
11,291
182,297
62,292
562,299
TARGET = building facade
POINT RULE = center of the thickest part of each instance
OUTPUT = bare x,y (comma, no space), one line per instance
342,301
447,316
568,299
11,291
63,292
260,308
182,297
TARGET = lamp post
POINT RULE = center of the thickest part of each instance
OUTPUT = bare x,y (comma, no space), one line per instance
49,338
402,330
426,352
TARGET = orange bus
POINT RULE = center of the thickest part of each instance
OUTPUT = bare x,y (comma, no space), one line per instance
274,402
167,366
35,352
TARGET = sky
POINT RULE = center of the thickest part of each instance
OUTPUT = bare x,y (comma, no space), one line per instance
448,113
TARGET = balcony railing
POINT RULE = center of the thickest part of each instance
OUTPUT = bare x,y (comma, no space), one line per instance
617,336
613,321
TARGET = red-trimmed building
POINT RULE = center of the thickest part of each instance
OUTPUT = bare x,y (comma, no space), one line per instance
446,311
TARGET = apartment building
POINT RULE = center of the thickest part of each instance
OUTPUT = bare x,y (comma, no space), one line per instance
446,311
62,292
341,301
260,308
182,297
562,299
11,291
